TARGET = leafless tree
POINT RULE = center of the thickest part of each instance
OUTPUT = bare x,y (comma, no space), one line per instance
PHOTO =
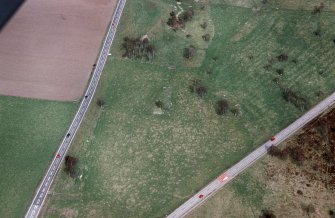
222,107
70,164
100,102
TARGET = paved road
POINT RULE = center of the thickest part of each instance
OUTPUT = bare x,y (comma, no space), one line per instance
246,162
44,187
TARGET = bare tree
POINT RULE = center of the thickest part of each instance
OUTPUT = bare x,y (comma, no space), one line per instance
222,107
198,87
159,104
189,52
100,102
70,164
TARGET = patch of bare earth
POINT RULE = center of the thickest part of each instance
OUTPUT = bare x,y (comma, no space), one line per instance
65,212
303,178
299,183
48,48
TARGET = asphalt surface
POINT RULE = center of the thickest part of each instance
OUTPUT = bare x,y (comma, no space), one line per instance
55,165
246,162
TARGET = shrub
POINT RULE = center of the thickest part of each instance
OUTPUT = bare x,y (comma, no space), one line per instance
280,72
198,87
206,37
204,25
70,164
318,9
235,111
267,214
221,107
189,52
159,104
292,97
100,102
282,57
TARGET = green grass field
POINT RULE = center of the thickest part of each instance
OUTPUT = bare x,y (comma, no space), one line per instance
137,164
30,132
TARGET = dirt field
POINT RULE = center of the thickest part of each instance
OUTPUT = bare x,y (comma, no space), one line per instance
48,48
299,183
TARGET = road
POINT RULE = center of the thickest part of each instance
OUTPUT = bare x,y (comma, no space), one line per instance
55,165
246,162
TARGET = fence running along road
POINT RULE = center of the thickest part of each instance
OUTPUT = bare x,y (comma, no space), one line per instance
44,186
250,159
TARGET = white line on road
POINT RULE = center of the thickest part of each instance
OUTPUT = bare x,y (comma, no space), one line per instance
44,186
250,159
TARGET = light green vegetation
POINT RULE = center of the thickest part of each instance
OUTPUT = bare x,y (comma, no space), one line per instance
30,132
137,164
244,197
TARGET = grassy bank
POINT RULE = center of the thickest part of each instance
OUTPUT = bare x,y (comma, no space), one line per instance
136,163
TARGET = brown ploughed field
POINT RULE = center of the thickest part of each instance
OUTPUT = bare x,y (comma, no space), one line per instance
48,48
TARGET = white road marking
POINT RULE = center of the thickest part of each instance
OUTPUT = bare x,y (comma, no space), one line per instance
44,187
250,159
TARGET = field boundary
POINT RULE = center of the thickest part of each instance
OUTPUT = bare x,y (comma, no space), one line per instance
209,190
58,158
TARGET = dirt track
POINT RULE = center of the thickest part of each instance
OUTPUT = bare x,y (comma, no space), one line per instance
48,48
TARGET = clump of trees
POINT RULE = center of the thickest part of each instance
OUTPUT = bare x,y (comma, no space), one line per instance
221,107
173,21
198,88
297,154
189,52
295,99
70,166
177,22
138,48
186,15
